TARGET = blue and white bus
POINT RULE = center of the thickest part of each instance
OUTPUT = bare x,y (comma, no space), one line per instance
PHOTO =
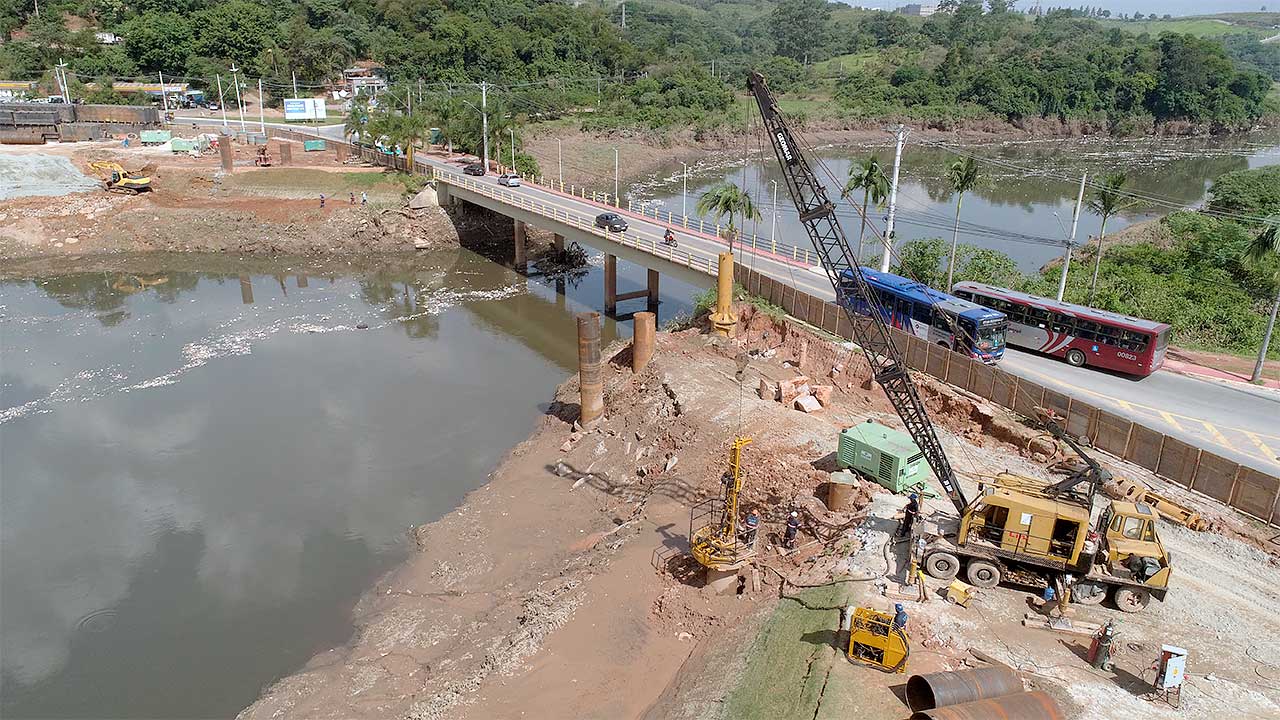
933,315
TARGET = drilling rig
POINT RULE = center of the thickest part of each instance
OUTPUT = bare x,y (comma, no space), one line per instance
1018,529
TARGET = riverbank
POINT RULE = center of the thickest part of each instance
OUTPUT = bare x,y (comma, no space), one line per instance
561,588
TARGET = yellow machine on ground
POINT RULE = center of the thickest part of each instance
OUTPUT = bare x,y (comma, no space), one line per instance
1020,530
116,179
876,641
716,541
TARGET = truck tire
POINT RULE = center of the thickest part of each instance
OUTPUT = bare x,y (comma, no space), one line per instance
983,574
942,565
1131,600
1088,593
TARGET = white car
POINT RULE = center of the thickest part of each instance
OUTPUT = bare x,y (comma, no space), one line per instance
509,179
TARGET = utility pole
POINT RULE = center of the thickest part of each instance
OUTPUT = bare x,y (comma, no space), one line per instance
597,92
221,105
262,111
684,197
164,97
773,231
560,161
484,121
617,199
1075,221
295,84
60,75
900,133
513,149
236,80
624,15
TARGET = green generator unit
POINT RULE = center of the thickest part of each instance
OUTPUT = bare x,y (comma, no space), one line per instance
887,456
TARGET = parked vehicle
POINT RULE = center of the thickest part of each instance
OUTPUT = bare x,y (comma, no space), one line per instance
612,222
474,169
1078,334
509,179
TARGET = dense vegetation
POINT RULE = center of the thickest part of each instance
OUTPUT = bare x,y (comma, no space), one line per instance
676,63
1199,279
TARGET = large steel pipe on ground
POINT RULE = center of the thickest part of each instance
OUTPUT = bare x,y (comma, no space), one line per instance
1022,706
642,340
589,379
940,689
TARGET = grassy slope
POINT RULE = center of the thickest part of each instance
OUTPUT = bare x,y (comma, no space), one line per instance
1205,26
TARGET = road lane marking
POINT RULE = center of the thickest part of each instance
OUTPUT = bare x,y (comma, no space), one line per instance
1124,404
1222,439
1170,419
1267,452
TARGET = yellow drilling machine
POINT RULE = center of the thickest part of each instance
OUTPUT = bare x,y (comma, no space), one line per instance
717,540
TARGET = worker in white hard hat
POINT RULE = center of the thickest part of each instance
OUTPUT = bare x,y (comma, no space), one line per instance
793,527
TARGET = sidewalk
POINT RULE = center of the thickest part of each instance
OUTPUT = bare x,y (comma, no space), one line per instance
1189,368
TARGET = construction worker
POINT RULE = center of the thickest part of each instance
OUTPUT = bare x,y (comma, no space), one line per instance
353,198
909,515
793,527
1048,600
364,198
899,617
752,526
321,199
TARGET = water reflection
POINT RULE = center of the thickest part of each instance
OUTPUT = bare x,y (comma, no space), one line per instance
198,483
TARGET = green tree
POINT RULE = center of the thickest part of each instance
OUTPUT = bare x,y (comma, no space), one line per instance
728,199
800,27
962,176
159,42
869,177
357,120
1107,200
1264,250
448,114
237,31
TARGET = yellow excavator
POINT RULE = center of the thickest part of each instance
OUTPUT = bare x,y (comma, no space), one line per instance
118,180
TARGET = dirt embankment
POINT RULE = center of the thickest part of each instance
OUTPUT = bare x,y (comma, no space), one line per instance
562,589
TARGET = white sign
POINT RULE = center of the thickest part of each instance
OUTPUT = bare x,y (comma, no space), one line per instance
304,109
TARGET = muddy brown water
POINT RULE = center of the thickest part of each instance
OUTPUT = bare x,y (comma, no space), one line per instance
1024,201
202,471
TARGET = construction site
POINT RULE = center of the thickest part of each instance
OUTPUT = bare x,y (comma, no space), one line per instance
743,515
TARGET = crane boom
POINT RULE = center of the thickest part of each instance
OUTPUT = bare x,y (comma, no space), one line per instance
817,214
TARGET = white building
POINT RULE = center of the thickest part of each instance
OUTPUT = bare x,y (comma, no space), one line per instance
919,9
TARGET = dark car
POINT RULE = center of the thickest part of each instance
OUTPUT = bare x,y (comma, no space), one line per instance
509,179
612,222
474,169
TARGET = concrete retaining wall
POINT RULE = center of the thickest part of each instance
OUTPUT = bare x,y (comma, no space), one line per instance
1248,490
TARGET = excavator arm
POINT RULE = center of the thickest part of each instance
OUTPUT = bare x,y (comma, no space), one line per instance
817,214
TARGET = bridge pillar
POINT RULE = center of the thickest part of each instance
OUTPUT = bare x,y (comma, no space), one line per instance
225,152
557,241
442,194
642,341
590,384
522,262
610,283
246,290
653,287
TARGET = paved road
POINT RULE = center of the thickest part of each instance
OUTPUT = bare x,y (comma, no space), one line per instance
1236,421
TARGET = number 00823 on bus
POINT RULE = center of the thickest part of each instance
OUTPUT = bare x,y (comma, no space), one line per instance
1078,334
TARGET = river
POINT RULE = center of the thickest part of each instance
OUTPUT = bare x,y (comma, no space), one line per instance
1025,199
206,462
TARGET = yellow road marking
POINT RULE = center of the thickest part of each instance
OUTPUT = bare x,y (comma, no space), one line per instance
1222,440
1266,451
1123,403
1169,419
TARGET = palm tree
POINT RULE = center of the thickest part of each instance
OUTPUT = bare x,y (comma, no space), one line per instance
728,199
1265,247
501,122
870,178
411,130
1106,201
962,176
357,122
448,115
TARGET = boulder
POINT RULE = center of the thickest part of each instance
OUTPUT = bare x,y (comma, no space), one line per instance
768,391
808,404
823,394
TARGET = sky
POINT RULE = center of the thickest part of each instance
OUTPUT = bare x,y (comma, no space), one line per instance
1172,7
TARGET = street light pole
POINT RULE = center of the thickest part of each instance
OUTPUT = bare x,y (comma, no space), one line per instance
684,197
560,161
236,80
1075,221
513,149
221,105
617,199
262,109
773,231
484,121
901,134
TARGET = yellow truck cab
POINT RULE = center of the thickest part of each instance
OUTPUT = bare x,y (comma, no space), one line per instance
1015,532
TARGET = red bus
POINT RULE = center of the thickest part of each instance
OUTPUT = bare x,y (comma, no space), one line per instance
1081,335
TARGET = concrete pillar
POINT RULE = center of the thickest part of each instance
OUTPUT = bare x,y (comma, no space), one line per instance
225,151
642,340
558,242
302,281
653,288
246,290
610,283
589,381
442,194
340,152
522,262
723,319
561,289
286,154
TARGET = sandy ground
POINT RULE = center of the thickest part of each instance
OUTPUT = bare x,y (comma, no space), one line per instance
561,588
196,207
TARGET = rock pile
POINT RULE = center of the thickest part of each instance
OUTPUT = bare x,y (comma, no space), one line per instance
797,392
